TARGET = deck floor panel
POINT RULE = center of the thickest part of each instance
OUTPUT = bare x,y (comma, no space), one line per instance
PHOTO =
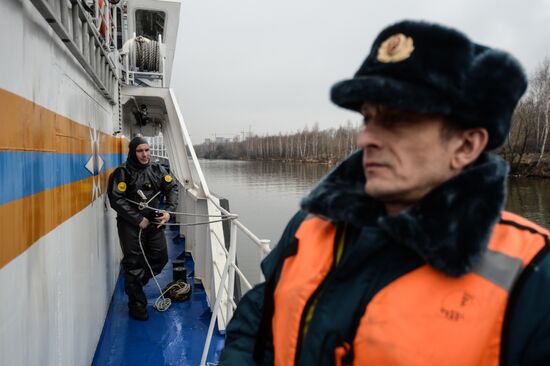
173,337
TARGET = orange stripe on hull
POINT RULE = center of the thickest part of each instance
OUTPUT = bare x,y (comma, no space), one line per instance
27,126
24,221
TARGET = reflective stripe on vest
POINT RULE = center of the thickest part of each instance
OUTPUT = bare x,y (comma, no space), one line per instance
427,318
423,317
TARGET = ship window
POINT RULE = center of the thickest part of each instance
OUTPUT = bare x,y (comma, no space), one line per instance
150,24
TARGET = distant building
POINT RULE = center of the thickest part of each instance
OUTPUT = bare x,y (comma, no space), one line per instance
222,140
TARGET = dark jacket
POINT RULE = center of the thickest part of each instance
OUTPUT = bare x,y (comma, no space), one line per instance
449,230
150,179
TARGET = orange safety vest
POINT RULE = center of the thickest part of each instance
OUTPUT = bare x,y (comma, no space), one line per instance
422,318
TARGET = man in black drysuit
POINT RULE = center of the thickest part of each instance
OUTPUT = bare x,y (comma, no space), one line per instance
139,180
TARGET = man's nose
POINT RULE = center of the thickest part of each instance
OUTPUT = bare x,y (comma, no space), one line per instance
369,137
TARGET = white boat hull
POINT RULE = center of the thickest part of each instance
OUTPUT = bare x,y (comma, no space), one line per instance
60,254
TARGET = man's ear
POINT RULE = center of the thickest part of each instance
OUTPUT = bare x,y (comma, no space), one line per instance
469,145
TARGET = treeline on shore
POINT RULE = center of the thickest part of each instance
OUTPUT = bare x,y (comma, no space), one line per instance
308,145
525,149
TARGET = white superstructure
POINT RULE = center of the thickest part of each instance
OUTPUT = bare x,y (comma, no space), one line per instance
78,79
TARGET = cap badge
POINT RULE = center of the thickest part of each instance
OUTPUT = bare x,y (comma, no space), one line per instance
396,48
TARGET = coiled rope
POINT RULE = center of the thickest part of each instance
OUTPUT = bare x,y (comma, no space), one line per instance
147,54
163,303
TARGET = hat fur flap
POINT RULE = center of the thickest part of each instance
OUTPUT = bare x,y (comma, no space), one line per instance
492,89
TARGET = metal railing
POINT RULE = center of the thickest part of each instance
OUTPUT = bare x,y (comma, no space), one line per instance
103,21
178,139
75,27
228,273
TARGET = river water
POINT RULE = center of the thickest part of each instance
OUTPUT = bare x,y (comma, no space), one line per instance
266,194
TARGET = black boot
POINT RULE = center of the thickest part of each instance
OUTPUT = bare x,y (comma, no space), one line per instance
137,311
137,302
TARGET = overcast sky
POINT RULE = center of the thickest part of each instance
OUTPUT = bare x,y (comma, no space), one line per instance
269,65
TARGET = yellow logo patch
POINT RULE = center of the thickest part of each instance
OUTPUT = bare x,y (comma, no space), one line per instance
121,187
167,178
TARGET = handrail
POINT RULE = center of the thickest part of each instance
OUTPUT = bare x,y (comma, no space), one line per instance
263,244
80,36
229,270
225,274
230,267
243,277
189,144
233,303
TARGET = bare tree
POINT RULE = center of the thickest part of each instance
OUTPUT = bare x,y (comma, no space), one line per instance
527,141
540,94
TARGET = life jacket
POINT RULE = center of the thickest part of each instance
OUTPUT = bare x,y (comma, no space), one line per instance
424,317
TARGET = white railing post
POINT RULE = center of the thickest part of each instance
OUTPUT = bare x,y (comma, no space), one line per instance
108,24
96,14
64,14
161,62
265,246
232,262
76,27
114,22
215,311
127,67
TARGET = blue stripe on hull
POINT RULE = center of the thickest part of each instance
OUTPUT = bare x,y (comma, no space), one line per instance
25,173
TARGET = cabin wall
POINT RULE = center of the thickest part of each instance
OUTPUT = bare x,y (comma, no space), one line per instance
59,256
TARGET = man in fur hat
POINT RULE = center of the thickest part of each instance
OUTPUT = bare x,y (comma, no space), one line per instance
403,255
140,180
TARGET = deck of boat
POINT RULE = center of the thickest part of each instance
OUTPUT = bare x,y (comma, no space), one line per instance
173,337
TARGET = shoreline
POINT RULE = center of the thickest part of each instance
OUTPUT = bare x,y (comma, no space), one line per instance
524,166
522,169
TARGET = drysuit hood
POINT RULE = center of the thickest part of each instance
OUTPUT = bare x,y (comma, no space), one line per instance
132,157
